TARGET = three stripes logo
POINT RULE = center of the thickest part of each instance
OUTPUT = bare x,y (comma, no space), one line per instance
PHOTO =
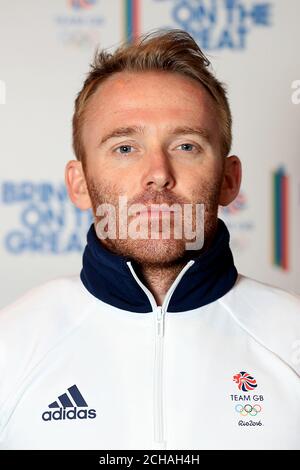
66,407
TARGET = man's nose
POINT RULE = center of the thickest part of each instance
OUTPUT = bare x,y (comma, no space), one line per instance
159,174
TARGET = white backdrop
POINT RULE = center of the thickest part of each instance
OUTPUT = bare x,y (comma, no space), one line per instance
46,48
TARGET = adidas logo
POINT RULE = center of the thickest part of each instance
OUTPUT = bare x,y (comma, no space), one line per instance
65,401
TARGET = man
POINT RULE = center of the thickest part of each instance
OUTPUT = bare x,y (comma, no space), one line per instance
155,345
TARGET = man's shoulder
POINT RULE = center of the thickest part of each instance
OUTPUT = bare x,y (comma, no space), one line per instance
35,323
259,303
44,302
42,316
269,314
260,295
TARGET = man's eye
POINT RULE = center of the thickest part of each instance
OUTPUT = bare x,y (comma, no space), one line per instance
124,149
187,146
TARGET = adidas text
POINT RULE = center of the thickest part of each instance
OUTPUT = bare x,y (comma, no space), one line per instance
68,414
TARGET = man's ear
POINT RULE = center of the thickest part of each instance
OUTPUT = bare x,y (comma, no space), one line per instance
231,180
76,185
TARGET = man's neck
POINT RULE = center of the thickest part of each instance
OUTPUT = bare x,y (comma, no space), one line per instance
115,281
159,278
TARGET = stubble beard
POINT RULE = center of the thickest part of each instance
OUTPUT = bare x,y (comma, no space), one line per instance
163,252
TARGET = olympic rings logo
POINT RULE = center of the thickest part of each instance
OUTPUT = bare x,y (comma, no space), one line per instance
248,409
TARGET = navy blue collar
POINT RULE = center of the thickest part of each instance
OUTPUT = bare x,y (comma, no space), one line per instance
108,277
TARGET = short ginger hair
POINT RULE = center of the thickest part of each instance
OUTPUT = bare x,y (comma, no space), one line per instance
172,50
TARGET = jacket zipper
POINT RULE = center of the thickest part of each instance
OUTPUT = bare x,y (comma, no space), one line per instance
158,378
159,315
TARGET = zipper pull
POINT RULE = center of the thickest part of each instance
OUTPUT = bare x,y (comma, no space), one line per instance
160,321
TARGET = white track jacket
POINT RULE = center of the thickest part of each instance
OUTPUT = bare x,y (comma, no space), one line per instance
91,362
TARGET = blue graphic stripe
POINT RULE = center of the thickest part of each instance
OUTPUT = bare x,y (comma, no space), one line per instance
77,397
54,405
129,17
278,221
65,401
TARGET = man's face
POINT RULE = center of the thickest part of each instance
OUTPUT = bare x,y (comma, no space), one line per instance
160,162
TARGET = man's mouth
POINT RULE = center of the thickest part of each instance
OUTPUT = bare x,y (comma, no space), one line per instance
156,211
